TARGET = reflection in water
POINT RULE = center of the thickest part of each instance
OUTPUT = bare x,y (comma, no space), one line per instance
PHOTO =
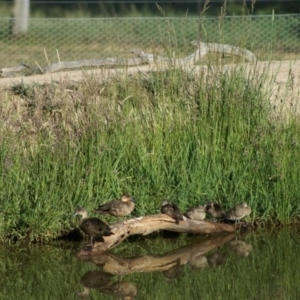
199,256
53,272
94,280
122,290
119,266
174,271
171,265
240,247
216,259
103,283
199,262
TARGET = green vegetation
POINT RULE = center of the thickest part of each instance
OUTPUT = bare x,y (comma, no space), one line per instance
168,134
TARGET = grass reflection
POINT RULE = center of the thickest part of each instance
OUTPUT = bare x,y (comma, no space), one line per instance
256,266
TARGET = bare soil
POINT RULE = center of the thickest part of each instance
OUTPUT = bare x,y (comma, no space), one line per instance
284,79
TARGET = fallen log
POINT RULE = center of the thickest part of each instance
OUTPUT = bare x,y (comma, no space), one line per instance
148,224
142,58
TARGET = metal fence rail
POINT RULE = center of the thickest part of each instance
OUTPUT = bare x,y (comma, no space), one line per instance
50,40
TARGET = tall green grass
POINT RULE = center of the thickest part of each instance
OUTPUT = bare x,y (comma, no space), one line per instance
167,134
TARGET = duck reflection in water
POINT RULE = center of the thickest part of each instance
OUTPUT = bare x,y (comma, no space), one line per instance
211,260
93,227
172,211
117,207
93,280
121,290
199,262
103,283
240,247
216,259
174,271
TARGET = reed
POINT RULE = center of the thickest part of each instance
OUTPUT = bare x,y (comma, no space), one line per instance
160,135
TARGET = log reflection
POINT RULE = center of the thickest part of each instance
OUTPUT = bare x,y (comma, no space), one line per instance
119,266
171,264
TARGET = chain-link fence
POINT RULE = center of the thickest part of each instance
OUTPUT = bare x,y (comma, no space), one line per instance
50,40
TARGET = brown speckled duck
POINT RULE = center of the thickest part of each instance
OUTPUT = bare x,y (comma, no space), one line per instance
93,227
238,212
171,210
196,213
215,210
117,207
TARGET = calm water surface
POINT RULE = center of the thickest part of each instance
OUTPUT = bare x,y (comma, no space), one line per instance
259,265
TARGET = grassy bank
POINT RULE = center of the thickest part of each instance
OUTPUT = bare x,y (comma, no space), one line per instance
155,136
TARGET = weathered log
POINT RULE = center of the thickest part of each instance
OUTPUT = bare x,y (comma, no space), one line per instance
228,49
148,224
142,58
188,254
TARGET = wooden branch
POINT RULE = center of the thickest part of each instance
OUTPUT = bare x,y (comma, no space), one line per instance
142,58
189,254
105,62
148,224
187,61
228,49
112,62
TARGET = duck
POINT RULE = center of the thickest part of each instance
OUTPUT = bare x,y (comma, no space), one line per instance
171,210
238,212
215,210
196,213
117,207
93,227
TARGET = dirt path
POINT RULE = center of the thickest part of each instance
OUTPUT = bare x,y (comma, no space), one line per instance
286,76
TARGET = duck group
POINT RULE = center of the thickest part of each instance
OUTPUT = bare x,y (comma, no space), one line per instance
98,229
214,210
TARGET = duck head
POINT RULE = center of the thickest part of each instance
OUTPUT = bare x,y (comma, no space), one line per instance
126,198
81,212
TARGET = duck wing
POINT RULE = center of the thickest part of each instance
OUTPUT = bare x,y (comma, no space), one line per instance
107,207
96,228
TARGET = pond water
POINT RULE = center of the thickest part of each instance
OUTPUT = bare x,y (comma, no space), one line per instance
259,265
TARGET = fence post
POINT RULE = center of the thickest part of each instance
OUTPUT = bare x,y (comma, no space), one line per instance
20,15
